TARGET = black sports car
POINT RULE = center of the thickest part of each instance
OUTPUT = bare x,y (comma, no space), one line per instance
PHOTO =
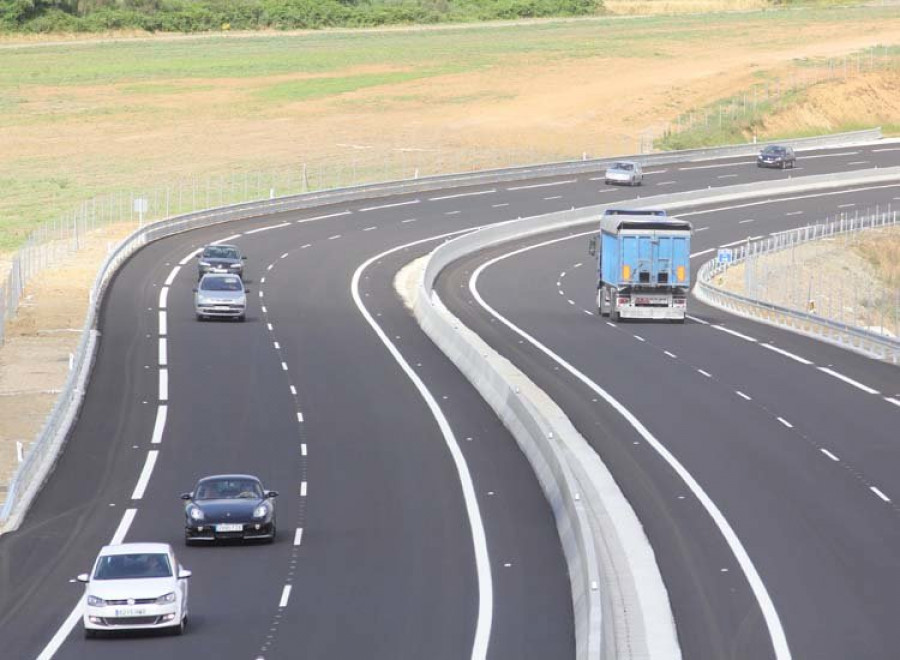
229,506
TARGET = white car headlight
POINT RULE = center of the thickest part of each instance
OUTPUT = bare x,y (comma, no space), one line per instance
93,601
261,511
168,598
195,513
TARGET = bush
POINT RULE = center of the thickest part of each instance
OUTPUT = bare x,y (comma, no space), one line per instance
205,15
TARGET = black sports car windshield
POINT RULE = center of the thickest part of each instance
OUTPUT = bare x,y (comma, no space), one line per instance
228,489
130,567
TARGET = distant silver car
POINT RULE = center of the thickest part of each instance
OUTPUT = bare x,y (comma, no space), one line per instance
220,296
624,172
220,259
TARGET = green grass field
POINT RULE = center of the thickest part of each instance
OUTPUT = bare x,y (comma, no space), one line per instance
63,92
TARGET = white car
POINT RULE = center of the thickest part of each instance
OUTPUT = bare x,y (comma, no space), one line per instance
624,172
135,586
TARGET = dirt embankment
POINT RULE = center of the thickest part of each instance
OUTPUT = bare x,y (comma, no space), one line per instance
852,279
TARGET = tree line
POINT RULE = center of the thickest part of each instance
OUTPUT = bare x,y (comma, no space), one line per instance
206,15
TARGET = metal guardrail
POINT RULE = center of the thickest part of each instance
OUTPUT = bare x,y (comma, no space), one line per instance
843,334
42,454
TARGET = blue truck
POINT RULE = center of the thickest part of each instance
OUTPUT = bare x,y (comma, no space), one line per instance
643,265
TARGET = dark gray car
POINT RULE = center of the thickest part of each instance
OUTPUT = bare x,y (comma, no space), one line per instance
220,296
220,259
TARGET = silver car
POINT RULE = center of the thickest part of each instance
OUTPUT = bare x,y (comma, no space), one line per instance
624,172
220,296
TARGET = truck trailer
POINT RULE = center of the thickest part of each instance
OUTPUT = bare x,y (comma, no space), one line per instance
643,265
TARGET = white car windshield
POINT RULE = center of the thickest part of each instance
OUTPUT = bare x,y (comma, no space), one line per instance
129,567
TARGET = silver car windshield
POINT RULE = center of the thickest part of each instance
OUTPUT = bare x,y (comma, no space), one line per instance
129,567
221,252
227,489
623,166
220,284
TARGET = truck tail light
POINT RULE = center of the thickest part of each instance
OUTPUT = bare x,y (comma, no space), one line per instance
622,300
626,272
679,273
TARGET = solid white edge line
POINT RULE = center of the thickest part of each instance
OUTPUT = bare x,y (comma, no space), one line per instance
163,352
298,536
829,455
159,427
702,252
484,619
163,384
285,596
785,422
880,494
388,206
767,607
173,273
163,297
226,239
785,353
734,333
849,381
468,194
146,472
163,326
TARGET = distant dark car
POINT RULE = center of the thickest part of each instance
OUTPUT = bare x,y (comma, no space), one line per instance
229,506
220,259
776,156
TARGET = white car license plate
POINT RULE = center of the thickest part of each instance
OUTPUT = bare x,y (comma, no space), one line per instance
130,611
229,527
222,308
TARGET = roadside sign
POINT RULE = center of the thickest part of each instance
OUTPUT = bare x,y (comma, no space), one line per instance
140,205
725,256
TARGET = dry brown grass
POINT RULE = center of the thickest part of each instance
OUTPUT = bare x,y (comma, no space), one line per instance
647,7
882,250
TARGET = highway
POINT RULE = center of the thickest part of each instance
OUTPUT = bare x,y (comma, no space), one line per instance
410,525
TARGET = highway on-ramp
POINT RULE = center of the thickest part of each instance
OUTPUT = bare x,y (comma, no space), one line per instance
410,526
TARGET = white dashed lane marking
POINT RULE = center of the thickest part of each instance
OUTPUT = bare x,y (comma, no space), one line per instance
468,194
734,333
163,352
293,390
323,217
543,185
144,479
163,384
159,426
849,381
785,353
334,238
303,489
300,417
785,422
284,366
671,355
285,596
881,495
388,206
497,206
298,536
829,455
745,397
162,324
704,373
370,228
